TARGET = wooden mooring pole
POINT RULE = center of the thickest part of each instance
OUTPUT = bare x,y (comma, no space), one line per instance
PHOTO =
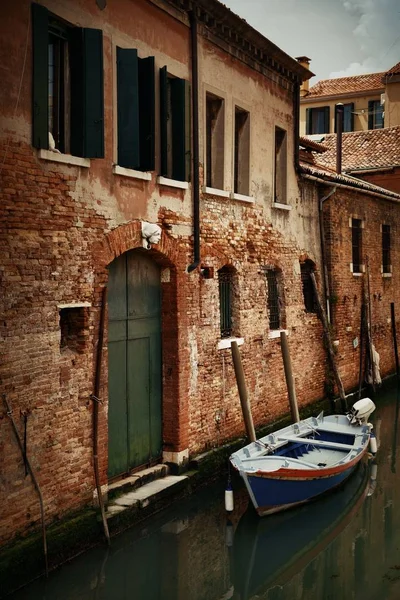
329,345
244,399
287,364
396,354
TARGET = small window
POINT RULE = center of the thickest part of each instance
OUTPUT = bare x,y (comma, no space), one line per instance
375,114
274,298
280,165
356,241
68,101
214,142
306,269
386,267
317,120
136,110
242,152
228,301
175,126
73,325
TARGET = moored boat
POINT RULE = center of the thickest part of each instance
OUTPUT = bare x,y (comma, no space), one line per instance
301,461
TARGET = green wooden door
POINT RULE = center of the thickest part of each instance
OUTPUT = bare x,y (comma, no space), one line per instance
134,363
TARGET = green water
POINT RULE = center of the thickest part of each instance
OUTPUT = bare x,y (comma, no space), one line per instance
345,546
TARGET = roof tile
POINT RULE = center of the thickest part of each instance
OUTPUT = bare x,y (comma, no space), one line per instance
346,85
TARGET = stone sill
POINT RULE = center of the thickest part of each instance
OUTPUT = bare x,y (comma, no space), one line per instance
386,275
281,206
357,274
183,185
66,159
226,342
144,175
75,305
216,192
242,197
276,333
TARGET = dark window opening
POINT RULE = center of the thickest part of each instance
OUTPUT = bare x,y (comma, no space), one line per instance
348,117
280,165
136,110
386,268
242,152
214,142
175,130
356,240
375,114
73,325
59,87
317,120
274,299
310,302
225,282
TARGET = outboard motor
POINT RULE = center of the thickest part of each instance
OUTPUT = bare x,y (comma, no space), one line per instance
360,412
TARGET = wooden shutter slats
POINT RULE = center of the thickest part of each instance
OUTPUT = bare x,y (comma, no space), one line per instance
40,96
146,76
128,108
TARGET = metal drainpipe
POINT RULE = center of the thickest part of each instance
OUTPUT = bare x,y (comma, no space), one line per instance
323,253
296,123
195,162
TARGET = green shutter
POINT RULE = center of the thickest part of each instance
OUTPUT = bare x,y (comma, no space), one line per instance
128,108
351,116
326,120
164,121
308,121
188,132
40,100
371,106
87,95
178,101
147,113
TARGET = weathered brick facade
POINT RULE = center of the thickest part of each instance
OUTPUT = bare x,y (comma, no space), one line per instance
63,224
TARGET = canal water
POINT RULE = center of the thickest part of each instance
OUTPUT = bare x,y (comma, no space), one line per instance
345,546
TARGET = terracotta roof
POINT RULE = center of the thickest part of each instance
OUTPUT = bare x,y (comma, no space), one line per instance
394,70
310,144
361,150
346,85
324,174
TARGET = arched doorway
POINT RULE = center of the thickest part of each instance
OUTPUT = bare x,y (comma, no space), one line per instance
134,363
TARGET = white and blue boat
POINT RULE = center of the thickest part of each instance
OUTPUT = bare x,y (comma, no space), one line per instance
301,461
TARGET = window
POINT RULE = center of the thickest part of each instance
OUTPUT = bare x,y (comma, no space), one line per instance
386,267
280,165
68,98
214,141
175,126
317,120
356,241
242,152
136,110
274,298
228,301
306,268
73,325
348,117
375,114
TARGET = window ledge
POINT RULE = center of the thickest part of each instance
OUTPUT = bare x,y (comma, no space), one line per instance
276,333
386,275
66,159
226,342
216,192
242,197
358,274
75,305
281,206
145,175
183,185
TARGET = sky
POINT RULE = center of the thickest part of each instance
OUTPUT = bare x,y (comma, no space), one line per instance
342,37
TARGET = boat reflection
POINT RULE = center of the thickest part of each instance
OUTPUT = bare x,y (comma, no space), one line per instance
268,552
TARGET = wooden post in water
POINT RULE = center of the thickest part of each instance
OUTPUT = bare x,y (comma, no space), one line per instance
329,345
244,400
287,363
396,354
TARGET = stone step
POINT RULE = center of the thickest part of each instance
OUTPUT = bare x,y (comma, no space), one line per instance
137,480
148,495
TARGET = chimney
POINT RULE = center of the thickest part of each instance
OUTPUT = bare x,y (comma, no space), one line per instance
339,130
304,62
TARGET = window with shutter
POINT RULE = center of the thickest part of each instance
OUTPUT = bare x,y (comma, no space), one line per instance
280,182
174,126
348,117
242,152
68,101
317,120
